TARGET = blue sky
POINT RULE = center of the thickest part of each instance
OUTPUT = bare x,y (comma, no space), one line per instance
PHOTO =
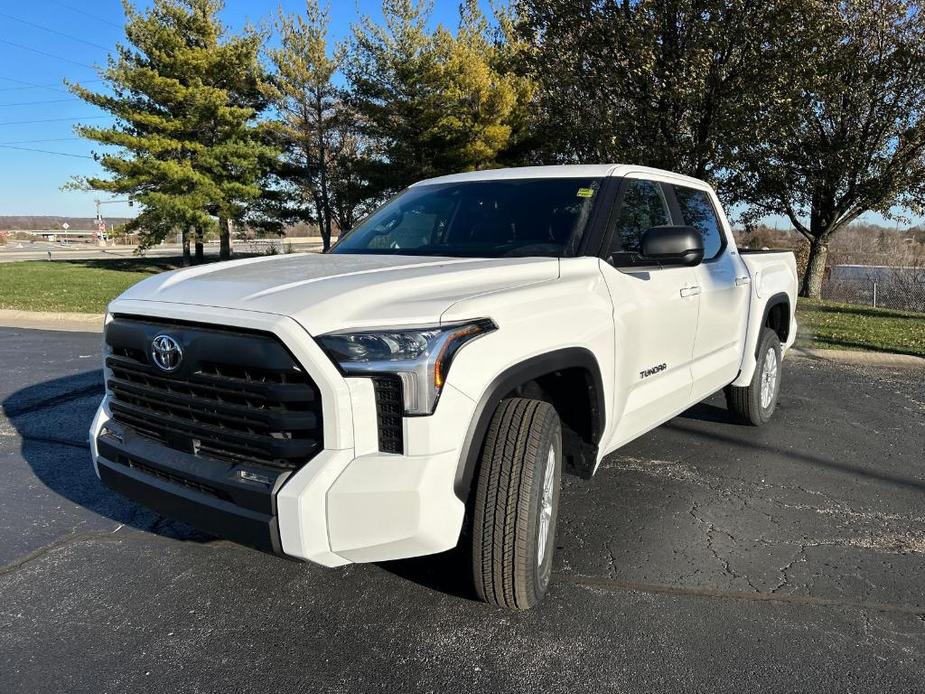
46,41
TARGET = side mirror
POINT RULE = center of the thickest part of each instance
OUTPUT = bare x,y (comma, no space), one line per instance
672,245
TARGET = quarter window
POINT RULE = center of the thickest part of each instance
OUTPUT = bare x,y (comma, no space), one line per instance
698,211
643,207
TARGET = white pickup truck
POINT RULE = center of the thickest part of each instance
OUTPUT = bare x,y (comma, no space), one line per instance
426,383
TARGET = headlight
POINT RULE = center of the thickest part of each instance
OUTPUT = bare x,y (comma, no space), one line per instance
421,357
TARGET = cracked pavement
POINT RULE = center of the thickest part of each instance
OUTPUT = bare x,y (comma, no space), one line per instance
705,556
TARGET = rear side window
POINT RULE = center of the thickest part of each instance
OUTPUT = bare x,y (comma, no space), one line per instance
643,206
698,211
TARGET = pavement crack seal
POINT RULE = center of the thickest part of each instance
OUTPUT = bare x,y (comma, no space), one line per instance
84,445
612,584
106,536
67,540
12,412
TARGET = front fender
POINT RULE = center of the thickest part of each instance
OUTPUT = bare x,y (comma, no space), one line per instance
507,381
565,323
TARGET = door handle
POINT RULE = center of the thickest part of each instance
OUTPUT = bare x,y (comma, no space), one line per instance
743,280
690,291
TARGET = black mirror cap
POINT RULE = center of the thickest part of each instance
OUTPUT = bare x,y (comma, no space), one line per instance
672,245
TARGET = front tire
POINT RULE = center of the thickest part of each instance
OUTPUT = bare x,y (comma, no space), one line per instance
754,404
516,504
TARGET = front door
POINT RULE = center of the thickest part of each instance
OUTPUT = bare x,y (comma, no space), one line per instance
655,317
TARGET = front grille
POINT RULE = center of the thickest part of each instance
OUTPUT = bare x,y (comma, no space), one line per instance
171,477
389,410
237,396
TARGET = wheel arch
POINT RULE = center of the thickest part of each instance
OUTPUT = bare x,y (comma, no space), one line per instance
776,316
568,377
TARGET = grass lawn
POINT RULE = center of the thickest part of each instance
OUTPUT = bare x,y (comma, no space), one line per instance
828,325
81,286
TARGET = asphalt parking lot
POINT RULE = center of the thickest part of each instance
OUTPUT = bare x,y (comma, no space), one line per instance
703,557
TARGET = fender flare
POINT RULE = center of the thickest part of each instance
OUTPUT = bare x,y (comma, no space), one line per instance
774,300
509,379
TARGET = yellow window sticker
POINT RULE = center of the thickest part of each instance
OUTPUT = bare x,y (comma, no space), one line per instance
585,192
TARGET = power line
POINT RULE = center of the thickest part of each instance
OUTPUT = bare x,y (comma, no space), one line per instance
48,55
86,14
36,103
52,120
45,139
36,85
52,31
29,85
47,151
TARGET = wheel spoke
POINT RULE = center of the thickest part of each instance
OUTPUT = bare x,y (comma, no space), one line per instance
768,378
549,483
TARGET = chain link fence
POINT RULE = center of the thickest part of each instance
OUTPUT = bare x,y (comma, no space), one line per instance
878,286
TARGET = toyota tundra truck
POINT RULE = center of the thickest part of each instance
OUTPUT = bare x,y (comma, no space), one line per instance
425,384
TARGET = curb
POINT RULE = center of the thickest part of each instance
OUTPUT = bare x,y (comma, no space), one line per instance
40,320
844,356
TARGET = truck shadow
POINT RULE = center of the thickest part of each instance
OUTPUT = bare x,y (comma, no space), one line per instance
705,412
52,419
448,572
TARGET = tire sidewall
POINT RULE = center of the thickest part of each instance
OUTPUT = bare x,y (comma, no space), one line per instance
542,573
769,340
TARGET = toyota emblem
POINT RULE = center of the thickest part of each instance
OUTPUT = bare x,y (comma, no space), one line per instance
166,353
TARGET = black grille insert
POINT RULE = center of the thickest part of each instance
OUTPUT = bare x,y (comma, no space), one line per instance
171,477
237,396
389,411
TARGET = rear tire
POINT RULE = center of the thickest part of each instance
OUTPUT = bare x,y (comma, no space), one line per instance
754,404
516,504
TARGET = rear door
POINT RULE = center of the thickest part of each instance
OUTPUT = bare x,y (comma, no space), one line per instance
723,283
655,315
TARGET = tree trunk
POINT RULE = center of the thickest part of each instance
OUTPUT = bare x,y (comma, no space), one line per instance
325,232
200,253
324,220
324,208
327,229
224,234
811,286
185,240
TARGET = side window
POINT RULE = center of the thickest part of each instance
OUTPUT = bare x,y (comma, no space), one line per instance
643,206
698,211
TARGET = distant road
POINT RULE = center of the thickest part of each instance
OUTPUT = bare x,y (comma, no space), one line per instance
44,250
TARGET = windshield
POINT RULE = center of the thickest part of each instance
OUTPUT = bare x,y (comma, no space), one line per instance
479,219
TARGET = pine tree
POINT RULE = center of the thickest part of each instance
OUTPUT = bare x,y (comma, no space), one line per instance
185,97
308,107
431,102
478,101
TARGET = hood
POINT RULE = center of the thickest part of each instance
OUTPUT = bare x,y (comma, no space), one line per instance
344,291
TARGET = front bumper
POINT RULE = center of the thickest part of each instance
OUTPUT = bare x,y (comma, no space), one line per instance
163,493
349,503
